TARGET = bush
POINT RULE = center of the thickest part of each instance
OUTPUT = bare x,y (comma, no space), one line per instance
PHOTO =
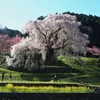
45,89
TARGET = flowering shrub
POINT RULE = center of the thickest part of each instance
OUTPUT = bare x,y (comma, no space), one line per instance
49,89
94,50
6,42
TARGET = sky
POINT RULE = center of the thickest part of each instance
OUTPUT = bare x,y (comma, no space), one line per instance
14,14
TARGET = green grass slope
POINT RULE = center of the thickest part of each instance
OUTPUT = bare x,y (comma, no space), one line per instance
70,70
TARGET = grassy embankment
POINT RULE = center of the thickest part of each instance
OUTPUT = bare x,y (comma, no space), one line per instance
72,70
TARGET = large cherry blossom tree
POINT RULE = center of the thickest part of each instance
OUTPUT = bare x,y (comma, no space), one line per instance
55,35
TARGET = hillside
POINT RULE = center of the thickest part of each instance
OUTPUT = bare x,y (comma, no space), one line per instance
70,70
9,32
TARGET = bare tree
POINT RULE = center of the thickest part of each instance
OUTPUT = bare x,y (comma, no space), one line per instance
55,35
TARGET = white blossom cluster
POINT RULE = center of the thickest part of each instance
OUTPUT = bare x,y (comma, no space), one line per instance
58,33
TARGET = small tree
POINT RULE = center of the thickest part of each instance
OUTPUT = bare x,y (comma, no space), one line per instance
94,50
55,35
15,40
6,42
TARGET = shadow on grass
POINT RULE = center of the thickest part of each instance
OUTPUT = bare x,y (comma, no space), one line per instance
59,67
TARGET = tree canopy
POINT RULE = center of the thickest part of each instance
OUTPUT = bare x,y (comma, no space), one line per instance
90,26
55,35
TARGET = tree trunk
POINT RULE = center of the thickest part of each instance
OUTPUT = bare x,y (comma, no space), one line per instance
50,58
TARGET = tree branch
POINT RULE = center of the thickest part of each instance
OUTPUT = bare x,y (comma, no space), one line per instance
39,29
60,47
